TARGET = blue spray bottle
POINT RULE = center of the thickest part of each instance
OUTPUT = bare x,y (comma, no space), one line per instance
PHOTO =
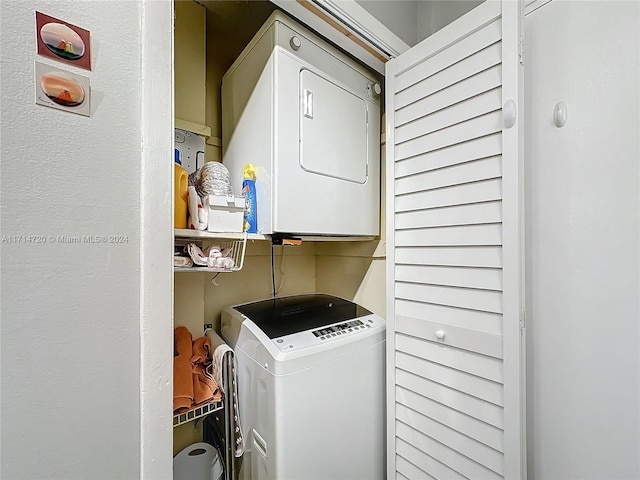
251,204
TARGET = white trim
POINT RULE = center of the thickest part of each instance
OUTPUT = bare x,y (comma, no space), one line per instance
512,244
390,264
350,13
156,241
533,5
359,16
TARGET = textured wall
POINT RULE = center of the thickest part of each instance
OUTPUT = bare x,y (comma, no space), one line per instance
71,311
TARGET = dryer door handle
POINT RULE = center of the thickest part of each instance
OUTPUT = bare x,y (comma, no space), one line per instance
307,103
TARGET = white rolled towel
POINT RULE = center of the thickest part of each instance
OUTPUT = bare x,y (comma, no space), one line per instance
198,210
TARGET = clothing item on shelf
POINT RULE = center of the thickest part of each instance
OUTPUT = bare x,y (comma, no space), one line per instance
222,351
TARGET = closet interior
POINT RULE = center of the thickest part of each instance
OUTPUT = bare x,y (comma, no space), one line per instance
209,36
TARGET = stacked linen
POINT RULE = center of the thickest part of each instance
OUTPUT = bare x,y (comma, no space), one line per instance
193,383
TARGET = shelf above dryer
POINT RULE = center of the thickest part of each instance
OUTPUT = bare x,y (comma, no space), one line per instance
207,235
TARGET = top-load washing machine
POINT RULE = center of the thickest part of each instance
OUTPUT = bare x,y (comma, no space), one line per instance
311,387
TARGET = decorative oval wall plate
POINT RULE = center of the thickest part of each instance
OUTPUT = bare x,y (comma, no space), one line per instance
62,89
62,41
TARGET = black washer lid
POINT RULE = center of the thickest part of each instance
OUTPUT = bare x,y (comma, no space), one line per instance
278,317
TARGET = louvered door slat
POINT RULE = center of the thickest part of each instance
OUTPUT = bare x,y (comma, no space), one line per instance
490,392
481,321
480,104
469,298
475,171
466,193
487,234
472,65
483,32
482,147
449,437
467,89
446,415
407,470
483,278
482,256
450,457
456,399
465,131
454,252
424,463
472,214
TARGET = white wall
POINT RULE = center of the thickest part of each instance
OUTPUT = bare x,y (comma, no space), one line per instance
71,313
415,20
583,239
435,14
399,16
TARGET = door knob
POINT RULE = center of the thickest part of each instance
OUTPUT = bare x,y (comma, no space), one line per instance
440,334
560,114
509,113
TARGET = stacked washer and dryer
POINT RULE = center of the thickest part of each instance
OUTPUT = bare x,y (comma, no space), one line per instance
311,376
311,387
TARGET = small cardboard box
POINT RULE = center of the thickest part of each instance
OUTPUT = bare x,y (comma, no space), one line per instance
226,214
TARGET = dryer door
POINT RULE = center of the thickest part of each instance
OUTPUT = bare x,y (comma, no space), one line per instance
333,129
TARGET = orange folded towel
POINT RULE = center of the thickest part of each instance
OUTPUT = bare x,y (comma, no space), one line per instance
201,351
193,383
183,394
205,388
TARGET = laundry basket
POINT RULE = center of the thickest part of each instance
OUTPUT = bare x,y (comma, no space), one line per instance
199,461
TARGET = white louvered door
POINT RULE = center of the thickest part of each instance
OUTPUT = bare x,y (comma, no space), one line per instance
454,275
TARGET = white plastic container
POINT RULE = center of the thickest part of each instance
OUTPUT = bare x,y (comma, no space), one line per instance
199,461
308,118
225,213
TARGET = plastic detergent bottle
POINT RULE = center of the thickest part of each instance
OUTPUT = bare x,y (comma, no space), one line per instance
181,190
251,204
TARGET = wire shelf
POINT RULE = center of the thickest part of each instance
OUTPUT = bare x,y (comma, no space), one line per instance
236,246
195,413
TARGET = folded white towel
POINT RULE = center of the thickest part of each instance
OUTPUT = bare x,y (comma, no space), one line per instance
198,210
220,348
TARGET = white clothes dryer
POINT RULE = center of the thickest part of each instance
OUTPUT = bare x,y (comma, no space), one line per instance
308,118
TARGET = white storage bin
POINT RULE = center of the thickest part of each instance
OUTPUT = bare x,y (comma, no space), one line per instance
226,214
198,461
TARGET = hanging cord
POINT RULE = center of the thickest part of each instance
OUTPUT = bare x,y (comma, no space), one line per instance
273,273
281,271
276,291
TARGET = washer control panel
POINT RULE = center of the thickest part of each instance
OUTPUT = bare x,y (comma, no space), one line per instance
328,333
338,329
